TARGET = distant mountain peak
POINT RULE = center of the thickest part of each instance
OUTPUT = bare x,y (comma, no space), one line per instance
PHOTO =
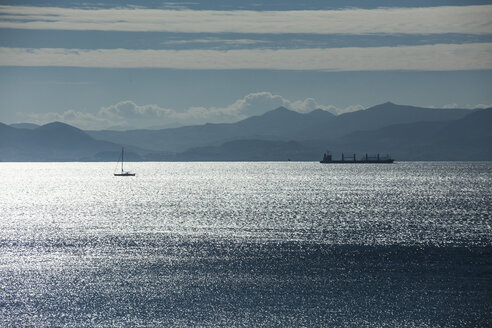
392,106
57,125
387,104
280,110
61,130
5,127
320,112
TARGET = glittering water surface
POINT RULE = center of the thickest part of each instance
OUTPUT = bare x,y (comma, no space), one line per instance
246,244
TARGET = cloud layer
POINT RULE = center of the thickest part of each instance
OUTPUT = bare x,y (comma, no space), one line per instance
127,114
437,57
446,38
450,19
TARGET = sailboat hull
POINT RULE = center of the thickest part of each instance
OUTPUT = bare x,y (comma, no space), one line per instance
126,174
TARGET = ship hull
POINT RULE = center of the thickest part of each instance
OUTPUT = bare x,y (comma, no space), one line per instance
382,161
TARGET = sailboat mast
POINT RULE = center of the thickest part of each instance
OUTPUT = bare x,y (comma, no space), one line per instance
122,153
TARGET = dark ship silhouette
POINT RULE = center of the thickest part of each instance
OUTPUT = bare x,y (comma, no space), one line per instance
327,159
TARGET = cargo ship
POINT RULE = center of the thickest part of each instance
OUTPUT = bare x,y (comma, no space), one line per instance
377,159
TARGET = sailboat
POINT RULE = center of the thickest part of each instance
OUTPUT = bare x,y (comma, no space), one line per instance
123,173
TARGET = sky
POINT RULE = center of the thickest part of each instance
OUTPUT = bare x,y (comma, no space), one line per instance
155,64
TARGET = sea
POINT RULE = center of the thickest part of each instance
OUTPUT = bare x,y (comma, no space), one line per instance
259,244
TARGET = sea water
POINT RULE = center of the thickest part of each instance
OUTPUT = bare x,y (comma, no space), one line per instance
246,244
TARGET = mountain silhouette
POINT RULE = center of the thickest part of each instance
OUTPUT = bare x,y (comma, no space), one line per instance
467,138
380,116
280,124
51,142
407,132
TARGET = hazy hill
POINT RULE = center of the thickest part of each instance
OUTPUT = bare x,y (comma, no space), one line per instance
468,138
52,142
408,133
280,124
380,116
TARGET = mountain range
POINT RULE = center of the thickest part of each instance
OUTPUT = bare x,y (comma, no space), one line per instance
406,132
55,142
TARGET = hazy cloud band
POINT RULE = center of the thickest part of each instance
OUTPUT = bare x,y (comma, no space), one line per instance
447,19
437,57
128,114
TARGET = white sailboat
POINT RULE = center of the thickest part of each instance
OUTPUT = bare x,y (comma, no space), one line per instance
123,173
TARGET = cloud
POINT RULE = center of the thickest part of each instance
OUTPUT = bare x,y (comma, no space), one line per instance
445,19
129,110
127,114
216,41
467,106
438,57
309,104
76,118
255,104
258,103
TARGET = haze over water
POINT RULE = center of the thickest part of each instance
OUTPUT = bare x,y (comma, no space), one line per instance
246,244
